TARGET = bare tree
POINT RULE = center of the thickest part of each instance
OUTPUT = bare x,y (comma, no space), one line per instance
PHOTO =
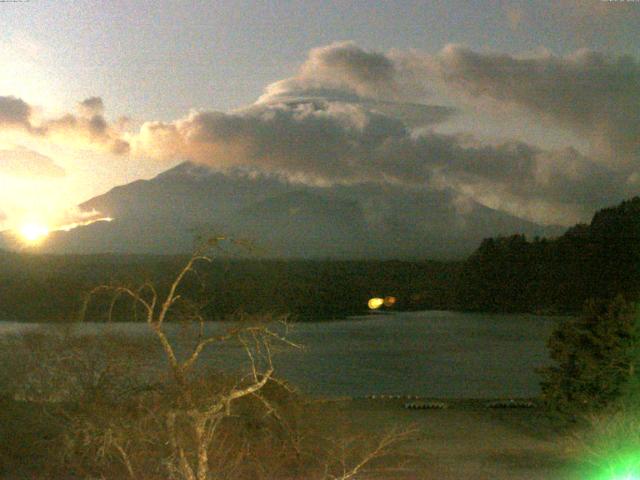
188,422
202,414
198,426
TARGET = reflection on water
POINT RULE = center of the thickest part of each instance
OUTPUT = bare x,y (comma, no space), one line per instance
436,354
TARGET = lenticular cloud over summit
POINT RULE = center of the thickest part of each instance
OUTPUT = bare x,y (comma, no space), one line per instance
402,121
351,115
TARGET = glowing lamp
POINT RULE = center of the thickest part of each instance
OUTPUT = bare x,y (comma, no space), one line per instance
375,303
389,301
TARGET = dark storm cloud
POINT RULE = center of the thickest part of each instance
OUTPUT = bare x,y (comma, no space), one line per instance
22,162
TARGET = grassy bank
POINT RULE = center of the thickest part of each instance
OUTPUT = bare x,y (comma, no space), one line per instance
467,440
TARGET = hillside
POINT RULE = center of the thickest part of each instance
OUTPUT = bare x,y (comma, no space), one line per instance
596,260
163,215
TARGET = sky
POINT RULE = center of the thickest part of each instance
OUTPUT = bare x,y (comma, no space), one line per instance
532,108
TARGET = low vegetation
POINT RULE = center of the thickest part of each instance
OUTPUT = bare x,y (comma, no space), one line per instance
596,358
88,405
593,388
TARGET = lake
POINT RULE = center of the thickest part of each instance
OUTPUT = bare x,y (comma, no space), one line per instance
432,353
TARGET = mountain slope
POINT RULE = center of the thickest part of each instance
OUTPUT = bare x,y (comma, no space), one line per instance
166,213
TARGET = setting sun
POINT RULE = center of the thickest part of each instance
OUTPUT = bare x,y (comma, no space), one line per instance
33,232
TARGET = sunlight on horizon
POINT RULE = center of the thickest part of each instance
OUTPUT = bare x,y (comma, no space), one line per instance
33,233
71,226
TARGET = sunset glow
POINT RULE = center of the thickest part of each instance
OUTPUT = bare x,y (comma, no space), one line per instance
324,240
71,226
33,233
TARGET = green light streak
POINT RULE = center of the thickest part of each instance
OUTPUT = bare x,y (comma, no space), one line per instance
619,467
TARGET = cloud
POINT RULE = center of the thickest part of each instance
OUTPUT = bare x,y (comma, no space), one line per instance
344,72
557,186
86,129
315,141
595,95
336,143
91,106
22,162
14,112
75,217
350,116
343,67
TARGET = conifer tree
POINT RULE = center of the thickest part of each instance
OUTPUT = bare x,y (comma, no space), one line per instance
595,358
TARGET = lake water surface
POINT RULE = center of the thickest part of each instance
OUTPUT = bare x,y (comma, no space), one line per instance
432,353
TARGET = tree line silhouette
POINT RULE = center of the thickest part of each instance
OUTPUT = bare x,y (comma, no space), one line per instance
594,261
505,274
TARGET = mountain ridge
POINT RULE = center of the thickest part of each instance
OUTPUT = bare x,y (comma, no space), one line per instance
291,220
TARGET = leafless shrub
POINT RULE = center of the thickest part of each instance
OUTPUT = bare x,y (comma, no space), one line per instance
55,363
191,423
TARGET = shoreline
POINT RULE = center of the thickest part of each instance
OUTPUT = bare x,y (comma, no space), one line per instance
365,315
